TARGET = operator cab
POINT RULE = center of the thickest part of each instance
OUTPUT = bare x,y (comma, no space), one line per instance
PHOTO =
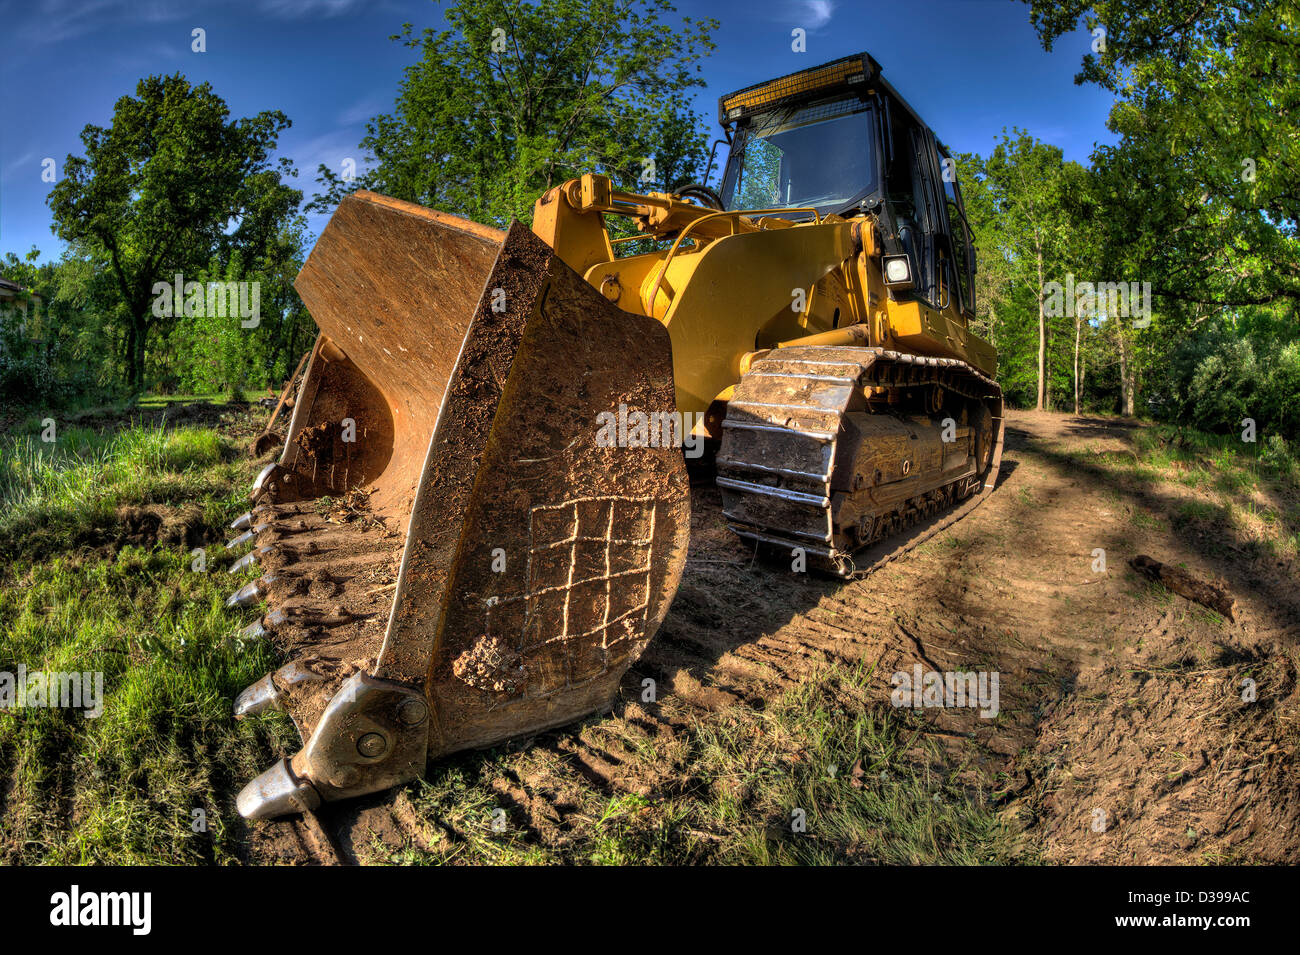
839,140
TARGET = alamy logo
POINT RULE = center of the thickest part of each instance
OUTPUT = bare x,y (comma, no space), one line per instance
655,429
75,907
241,300
929,689
1096,299
52,689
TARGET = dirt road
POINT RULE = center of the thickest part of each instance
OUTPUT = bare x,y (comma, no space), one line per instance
1132,727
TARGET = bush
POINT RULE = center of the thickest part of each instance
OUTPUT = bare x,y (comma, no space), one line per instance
1222,375
1276,453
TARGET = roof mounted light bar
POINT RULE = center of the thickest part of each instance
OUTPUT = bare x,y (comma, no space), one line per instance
838,74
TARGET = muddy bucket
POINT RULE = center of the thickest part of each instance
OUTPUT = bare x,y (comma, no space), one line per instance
450,553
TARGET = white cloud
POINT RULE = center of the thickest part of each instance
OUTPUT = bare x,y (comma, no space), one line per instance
26,164
818,13
330,148
360,112
299,9
53,21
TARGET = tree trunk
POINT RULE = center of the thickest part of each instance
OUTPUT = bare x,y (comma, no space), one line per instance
128,353
1078,380
291,348
1083,372
1042,338
135,354
1125,374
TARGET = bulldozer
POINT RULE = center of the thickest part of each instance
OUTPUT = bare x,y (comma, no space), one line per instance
482,508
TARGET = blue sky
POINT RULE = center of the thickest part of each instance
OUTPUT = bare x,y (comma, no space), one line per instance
969,67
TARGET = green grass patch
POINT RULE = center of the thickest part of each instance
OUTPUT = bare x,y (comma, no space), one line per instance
55,494
1249,490
1198,511
824,775
123,787
151,778
1235,464
862,778
163,401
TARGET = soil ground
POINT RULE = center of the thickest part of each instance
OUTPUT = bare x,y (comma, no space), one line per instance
1133,725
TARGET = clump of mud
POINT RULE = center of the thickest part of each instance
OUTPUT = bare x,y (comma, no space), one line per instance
490,665
265,443
152,526
321,584
353,506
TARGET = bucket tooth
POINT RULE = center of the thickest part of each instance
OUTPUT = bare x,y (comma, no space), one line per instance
254,631
372,736
277,792
267,693
261,696
294,673
248,519
250,593
250,559
248,535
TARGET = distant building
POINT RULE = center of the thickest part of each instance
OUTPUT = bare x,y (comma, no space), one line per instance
15,297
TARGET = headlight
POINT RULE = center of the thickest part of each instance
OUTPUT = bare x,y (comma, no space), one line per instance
898,271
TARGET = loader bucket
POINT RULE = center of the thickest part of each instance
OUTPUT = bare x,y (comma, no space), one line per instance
451,552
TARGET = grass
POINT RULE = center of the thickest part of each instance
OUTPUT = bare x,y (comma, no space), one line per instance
1231,463
1227,489
162,401
57,494
868,786
152,778
858,774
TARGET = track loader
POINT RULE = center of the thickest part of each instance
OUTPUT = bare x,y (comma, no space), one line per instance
482,509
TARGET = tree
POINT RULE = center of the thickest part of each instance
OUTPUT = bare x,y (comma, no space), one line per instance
1028,183
53,349
516,97
172,183
210,353
1204,177
995,274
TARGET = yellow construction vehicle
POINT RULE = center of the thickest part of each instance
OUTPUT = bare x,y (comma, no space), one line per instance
482,510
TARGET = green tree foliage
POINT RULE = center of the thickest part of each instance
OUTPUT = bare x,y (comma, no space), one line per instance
51,350
170,186
1197,198
1222,373
516,97
211,353
1208,112
1027,205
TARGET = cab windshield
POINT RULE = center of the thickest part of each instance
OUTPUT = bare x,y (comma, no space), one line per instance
819,154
